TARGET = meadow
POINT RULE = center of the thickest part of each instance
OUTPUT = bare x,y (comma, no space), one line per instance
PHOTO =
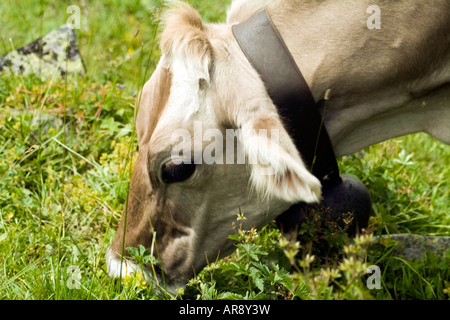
67,148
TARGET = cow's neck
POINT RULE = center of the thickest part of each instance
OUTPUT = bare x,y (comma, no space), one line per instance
373,85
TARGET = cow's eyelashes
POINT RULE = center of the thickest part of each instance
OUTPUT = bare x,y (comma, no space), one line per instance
171,172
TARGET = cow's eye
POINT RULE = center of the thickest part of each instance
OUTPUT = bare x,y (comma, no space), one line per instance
176,172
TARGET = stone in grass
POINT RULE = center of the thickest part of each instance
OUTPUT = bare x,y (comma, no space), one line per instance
414,246
53,55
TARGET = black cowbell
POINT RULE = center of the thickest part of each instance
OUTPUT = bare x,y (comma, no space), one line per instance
346,202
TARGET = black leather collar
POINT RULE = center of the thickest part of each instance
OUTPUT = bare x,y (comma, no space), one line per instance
268,54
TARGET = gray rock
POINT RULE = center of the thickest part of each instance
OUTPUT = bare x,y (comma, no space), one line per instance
413,246
50,56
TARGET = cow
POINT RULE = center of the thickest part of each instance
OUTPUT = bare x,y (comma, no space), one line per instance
384,81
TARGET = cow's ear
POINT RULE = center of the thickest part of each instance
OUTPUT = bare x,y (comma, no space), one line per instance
184,41
277,170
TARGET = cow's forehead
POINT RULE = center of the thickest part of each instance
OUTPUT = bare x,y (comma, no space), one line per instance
179,107
161,113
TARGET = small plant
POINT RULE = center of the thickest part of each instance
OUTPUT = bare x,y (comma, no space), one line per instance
336,276
141,255
254,271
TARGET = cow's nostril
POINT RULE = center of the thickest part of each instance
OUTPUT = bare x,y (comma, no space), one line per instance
172,172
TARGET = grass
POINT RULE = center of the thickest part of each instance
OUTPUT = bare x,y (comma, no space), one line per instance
67,150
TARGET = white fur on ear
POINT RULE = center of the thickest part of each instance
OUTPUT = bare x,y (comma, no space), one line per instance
277,170
194,70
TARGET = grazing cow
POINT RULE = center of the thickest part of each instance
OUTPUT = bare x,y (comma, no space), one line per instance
385,82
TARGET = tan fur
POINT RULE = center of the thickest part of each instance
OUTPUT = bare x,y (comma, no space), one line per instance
372,72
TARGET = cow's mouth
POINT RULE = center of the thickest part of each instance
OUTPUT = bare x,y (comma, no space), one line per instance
152,273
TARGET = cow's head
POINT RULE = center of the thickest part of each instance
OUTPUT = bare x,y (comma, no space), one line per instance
211,143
